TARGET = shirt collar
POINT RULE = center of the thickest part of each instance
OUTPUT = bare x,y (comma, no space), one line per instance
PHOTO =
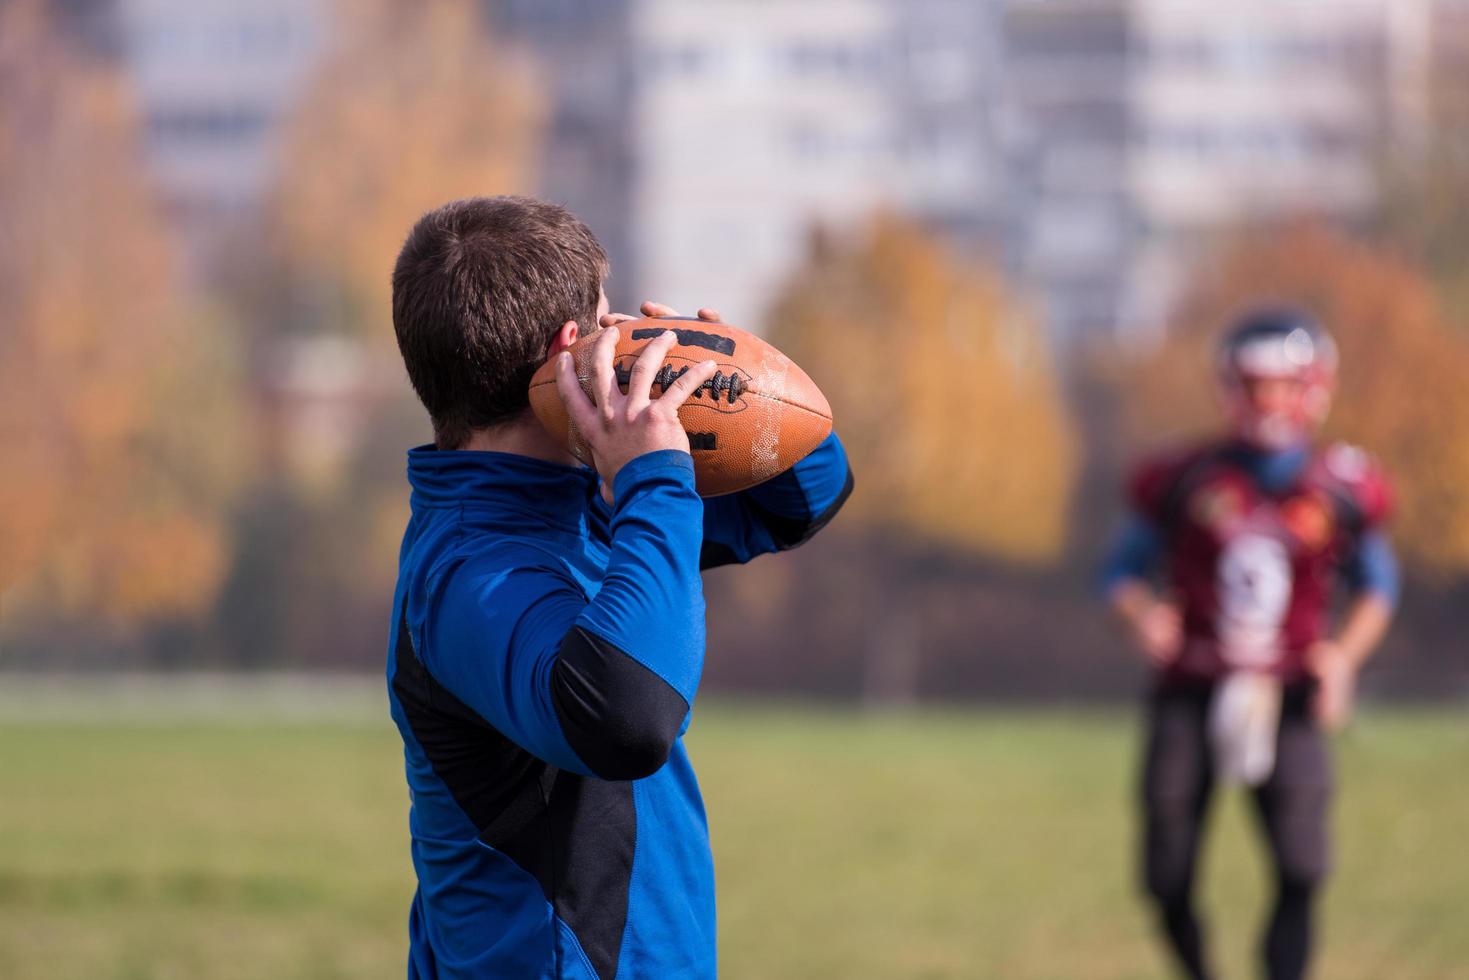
1274,468
514,483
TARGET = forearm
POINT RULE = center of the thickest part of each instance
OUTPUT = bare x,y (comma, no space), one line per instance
781,513
1155,625
1363,628
1131,599
799,502
597,681
1336,661
626,672
651,604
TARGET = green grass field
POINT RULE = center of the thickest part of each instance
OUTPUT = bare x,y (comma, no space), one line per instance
972,843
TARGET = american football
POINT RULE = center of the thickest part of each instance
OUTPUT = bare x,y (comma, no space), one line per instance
757,417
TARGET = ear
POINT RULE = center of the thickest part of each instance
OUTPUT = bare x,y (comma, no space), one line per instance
563,338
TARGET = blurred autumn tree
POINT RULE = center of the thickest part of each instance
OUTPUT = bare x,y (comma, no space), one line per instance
1425,199
415,105
1402,389
946,398
943,390
115,401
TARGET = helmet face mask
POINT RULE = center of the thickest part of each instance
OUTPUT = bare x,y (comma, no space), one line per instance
1277,373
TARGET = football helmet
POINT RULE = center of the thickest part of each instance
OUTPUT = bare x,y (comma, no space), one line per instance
1277,374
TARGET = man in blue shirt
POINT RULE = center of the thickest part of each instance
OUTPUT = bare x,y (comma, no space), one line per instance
548,625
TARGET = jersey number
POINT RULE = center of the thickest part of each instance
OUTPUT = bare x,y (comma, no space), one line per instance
1254,596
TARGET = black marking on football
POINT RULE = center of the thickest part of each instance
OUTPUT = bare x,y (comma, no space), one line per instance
690,338
730,386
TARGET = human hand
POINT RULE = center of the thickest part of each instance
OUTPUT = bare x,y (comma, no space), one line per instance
619,426
1157,629
652,309
1336,677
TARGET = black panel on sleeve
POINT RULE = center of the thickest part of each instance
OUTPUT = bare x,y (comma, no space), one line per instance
499,785
577,836
713,554
789,532
582,855
619,717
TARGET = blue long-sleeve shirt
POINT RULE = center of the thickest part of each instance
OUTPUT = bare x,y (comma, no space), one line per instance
547,651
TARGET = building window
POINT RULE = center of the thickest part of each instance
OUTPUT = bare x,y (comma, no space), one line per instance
213,124
814,58
679,60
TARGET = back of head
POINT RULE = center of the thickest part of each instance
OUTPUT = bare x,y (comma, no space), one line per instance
479,289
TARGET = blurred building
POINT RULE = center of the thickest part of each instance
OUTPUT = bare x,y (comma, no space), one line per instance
749,133
1441,80
703,141
952,113
587,66
216,79
1246,112
1092,145
1070,222
791,115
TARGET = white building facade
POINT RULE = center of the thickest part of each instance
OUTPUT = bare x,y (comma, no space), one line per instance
216,80
1249,112
1091,146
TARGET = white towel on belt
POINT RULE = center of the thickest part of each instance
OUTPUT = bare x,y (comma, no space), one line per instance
1244,721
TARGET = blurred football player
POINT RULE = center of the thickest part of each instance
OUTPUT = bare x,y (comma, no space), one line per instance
1224,577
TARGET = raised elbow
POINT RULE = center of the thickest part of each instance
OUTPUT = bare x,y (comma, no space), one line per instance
634,751
792,532
619,717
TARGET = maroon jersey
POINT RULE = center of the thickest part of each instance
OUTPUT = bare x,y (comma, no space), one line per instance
1252,557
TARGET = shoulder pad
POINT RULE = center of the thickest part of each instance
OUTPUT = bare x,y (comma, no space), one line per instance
1155,479
1358,475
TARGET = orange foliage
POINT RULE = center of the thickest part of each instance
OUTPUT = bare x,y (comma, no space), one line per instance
415,107
93,351
1402,393
943,391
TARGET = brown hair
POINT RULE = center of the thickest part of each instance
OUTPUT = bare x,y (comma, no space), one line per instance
479,289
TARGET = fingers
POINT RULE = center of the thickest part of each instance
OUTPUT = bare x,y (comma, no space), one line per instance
651,308
640,383
1322,657
604,375
583,413
613,319
688,383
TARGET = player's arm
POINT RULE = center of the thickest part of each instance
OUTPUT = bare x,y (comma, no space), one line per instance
1375,582
780,513
600,687
1153,624
1370,571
